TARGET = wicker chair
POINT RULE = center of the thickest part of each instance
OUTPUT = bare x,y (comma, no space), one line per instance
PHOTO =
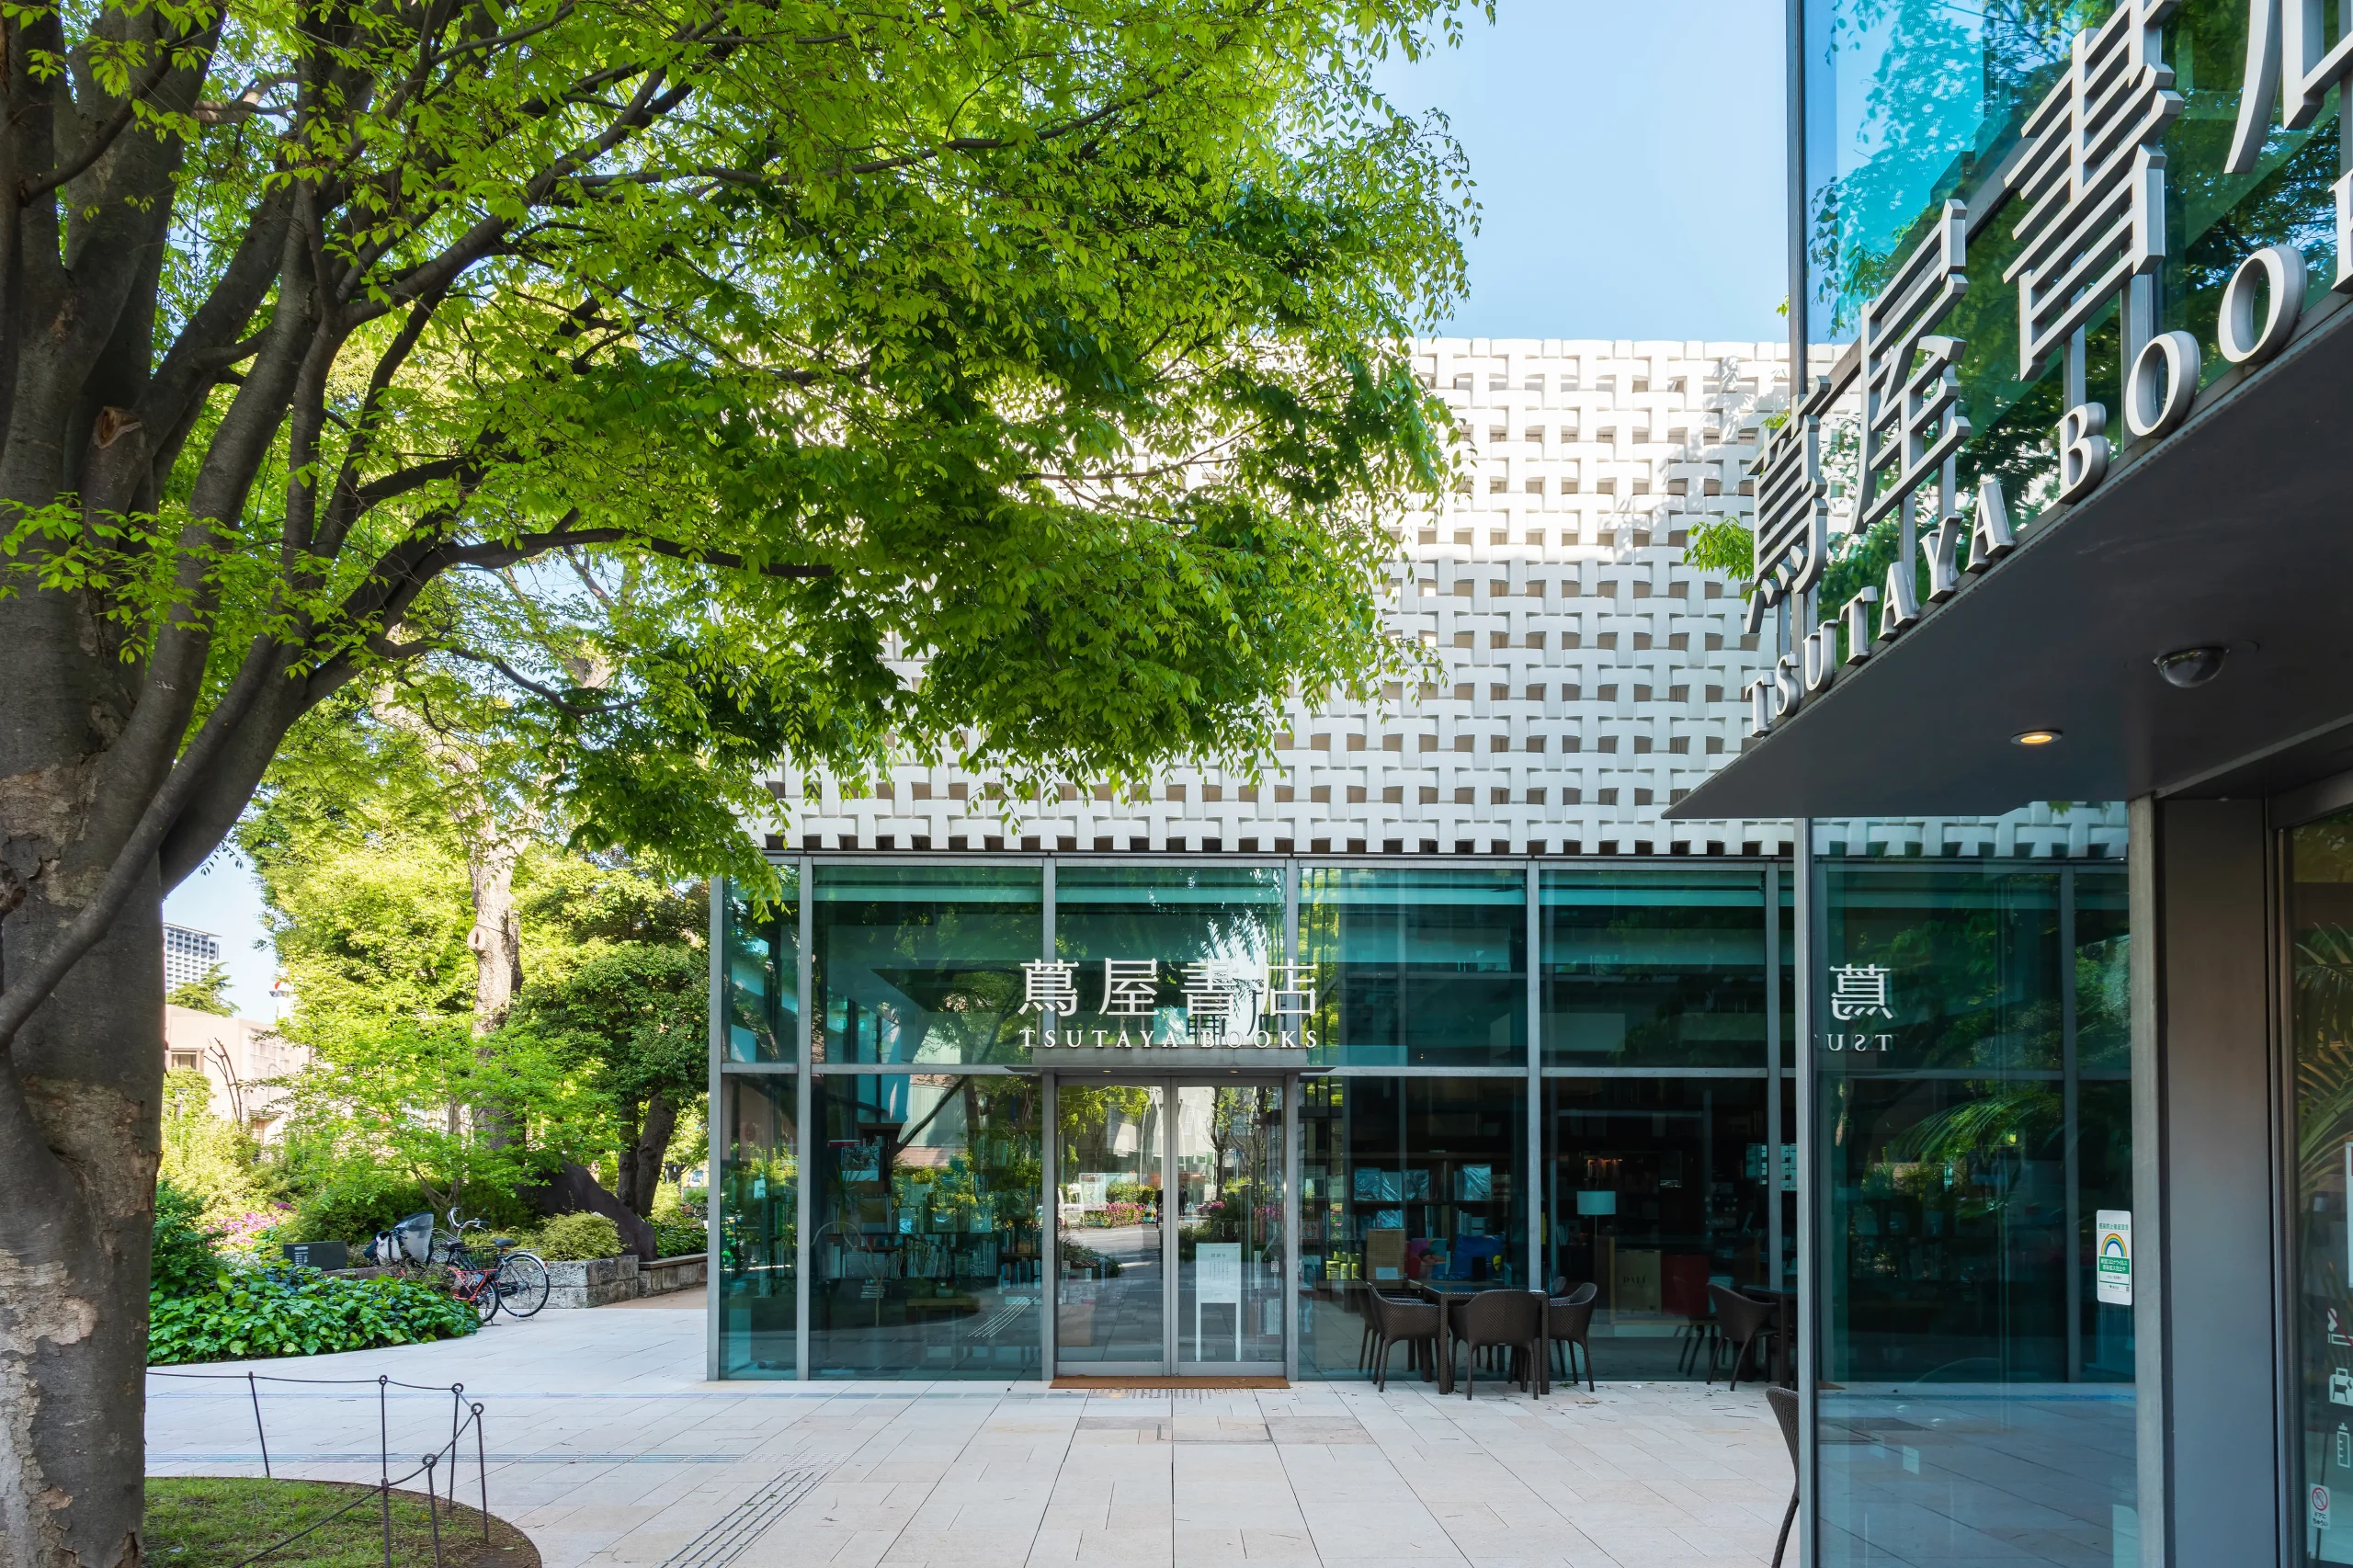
1745,1322
1510,1320
1785,1409
1567,1322
1395,1323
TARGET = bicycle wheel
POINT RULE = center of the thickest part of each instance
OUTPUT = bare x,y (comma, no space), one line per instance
486,1295
522,1283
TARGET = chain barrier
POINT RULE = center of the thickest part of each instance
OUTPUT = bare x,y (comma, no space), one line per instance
465,1416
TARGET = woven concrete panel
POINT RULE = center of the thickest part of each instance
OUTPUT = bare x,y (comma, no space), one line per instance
1590,678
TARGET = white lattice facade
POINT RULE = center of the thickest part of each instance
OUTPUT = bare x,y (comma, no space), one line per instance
1591,677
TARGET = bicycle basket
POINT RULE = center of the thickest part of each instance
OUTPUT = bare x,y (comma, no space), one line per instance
414,1236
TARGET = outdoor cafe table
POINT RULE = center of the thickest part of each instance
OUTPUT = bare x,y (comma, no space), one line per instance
1450,1294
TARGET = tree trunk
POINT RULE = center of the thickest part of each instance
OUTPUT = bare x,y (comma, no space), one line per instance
81,1093
497,936
641,1160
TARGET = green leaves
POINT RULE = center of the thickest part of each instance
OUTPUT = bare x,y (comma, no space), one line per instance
250,1314
1060,349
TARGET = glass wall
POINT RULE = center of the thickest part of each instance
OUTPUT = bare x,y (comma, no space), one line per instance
923,1245
1405,1179
2319,916
1653,969
1417,967
1912,103
1654,1189
760,1008
1219,926
1972,1049
1973,1397
922,964
759,1196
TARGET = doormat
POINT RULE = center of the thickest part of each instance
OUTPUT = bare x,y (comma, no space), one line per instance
1102,1384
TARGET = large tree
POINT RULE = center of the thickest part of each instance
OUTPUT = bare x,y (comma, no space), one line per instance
1050,348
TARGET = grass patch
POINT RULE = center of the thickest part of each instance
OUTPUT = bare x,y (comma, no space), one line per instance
206,1521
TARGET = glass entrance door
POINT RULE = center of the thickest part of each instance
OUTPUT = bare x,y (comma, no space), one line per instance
1150,1172
1111,1287
1229,1212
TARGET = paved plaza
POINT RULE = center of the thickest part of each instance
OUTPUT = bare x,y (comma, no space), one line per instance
606,1444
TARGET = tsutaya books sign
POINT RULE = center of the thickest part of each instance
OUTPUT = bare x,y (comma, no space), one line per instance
1226,1005
2091,175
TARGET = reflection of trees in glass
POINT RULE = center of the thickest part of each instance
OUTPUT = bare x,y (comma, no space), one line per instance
1972,969
1109,915
2000,1121
1947,86
1091,1116
760,1174
753,982
2323,1008
962,1160
923,977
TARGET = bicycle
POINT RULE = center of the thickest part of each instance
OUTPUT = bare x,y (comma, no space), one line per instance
514,1278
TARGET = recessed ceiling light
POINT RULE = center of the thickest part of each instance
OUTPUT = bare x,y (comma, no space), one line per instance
2034,737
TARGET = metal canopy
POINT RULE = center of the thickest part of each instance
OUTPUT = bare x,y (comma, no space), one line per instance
2236,531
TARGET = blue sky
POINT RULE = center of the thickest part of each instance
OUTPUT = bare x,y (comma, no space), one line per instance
1628,162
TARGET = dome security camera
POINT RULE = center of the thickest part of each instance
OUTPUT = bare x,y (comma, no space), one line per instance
2186,668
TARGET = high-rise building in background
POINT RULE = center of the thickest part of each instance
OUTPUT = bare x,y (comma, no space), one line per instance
189,956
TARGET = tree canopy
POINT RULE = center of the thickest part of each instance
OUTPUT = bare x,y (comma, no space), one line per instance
708,384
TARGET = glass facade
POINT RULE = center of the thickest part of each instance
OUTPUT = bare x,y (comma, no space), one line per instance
1405,1179
924,1252
1655,1189
758,1234
1418,968
1653,969
1977,1123
1227,919
2320,942
1963,1155
922,965
760,989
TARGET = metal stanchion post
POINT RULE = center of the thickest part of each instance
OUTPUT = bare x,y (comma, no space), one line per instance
384,1463
432,1509
482,1474
262,1437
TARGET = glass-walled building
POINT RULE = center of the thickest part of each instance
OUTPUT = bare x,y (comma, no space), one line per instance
2058,516
1129,1116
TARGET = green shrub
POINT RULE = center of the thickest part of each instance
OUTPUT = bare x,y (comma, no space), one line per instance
573,1238
351,1205
679,1237
253,1313
183,1257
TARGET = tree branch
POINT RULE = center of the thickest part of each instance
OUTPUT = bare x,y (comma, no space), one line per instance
115,124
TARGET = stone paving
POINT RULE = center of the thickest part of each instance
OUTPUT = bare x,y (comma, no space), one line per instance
607,1447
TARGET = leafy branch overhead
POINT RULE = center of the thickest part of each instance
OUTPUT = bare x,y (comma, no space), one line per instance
667,391
1021,378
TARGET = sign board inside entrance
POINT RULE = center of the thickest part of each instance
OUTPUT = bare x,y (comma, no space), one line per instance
1216,1273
